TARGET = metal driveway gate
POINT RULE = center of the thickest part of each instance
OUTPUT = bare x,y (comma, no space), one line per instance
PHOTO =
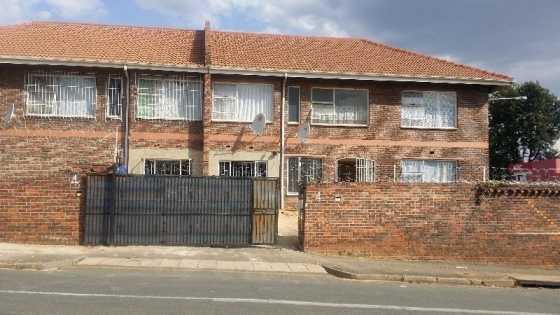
175,210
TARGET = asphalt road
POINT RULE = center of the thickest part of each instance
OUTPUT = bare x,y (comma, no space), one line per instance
114,291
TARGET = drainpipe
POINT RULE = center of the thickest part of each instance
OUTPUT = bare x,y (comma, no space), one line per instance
282,142
127,96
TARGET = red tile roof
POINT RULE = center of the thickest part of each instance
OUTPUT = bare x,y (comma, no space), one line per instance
103,43
227,50
332,55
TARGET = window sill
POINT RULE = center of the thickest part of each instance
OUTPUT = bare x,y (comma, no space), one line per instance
167,119
291,194
236,121
429,128
59,117
340,125
293,123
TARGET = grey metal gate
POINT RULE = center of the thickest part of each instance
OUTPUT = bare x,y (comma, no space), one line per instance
170,210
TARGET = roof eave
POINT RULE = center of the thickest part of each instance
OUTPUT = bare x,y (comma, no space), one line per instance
240,71
360,76
99,64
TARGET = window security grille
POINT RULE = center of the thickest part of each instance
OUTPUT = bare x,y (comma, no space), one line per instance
60,95
114,97
301,169
243,168
169,98
355,170
167,167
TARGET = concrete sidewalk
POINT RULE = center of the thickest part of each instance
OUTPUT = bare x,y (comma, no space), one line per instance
272,259
197,264
455,273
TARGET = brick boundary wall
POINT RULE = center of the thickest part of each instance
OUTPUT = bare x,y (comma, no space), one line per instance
517,224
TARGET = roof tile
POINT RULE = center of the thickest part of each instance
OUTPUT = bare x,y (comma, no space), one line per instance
230,50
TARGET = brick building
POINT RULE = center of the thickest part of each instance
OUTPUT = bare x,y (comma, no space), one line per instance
81,98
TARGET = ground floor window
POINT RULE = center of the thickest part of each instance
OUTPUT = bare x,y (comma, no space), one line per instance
428,171
243,168
167,167
355,170
302,169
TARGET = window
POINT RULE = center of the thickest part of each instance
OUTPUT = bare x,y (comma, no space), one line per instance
175,99
339,106
293,104
429,109
301,169
355,170
428,171
242,102
167,167
243,168
114,97
62,95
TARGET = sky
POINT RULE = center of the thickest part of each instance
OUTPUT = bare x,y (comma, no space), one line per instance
520,38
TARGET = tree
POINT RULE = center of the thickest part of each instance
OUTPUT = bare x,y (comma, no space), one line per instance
523,129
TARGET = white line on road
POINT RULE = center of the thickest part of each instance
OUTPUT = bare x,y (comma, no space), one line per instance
274,301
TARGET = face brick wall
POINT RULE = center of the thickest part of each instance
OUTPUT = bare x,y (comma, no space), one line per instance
230,137
384,141
512,224
39,156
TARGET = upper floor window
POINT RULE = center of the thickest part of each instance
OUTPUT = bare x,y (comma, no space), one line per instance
114,97
429,109
428,171
243,168
293,104
339,106
167,167
165,98
60,95
242,102
303,169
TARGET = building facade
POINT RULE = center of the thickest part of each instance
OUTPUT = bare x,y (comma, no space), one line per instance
80,99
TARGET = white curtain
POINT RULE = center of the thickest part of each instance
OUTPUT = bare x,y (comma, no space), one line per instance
242,102
169,99
413,110
351,106
254,99
61,95
429,109
438,171
428,171
411,171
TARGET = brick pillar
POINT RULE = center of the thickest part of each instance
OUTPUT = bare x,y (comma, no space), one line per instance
206,120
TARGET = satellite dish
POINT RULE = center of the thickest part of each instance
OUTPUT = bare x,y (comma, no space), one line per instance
258,124
10,114
303,132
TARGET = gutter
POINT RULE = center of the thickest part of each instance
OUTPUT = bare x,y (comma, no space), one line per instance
256,72
363,77
126,127
97,64
282,140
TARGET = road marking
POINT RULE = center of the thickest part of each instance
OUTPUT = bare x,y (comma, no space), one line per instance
275,301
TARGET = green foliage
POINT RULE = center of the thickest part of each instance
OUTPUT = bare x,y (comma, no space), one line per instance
523,128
